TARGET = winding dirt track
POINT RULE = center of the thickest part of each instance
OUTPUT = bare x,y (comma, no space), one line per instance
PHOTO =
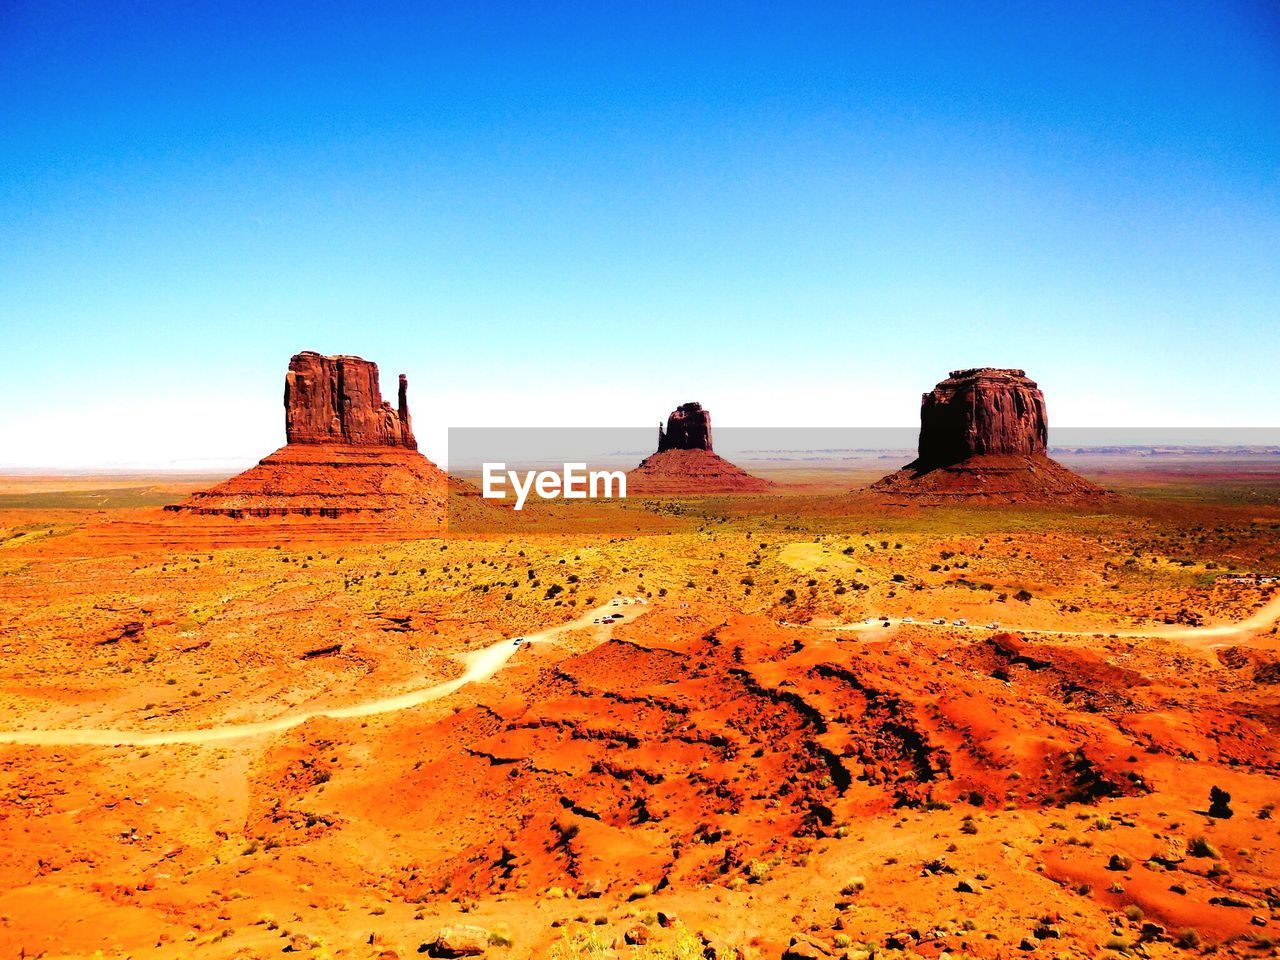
1263,617
480,665
484,663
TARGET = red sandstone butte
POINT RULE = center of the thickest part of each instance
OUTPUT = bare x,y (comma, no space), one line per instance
348,453
685,463
984,436
688,428
337,400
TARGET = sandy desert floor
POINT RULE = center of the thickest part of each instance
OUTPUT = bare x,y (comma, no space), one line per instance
242,739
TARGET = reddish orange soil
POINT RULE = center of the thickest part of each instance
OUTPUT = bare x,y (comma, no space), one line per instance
738,762
330,480
990,478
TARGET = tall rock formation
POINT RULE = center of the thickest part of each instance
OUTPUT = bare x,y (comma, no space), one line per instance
984,436
685,463
688,428
338,400
982,411
348,453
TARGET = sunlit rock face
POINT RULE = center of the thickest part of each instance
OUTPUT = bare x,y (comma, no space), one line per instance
337,400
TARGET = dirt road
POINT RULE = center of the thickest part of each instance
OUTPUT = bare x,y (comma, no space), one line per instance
480,665
1209,635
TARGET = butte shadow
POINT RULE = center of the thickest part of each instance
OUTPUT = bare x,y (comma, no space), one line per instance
984,438
685,462
348,453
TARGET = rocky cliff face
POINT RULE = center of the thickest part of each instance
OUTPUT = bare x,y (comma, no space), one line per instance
688,428
979,412
337,400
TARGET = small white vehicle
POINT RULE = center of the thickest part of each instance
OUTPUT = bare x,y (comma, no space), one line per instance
993,625
960,622
940,621
908,620
518,640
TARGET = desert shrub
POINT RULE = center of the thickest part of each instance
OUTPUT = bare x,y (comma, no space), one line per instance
584,946
757,871
855,885
1201,847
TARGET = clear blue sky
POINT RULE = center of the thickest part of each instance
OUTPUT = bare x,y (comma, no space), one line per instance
561,213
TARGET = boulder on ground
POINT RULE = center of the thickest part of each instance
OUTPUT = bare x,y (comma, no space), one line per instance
461,940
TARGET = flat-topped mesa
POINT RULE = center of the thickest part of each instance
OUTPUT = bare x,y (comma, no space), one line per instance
979,412
337,400
984,438
688,428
